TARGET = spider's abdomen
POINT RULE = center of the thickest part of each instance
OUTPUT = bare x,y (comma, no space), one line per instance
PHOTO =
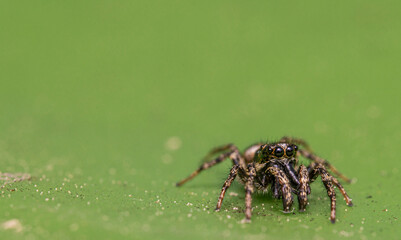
249,153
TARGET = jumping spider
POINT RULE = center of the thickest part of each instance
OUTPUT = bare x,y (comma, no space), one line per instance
275,165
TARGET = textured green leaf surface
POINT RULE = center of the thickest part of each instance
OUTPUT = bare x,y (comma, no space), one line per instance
108,103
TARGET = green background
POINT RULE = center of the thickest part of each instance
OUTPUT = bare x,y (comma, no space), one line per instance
92,91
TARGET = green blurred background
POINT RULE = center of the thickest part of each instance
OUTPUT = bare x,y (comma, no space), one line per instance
108,103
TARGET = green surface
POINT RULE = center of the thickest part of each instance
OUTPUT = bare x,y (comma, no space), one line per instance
91,92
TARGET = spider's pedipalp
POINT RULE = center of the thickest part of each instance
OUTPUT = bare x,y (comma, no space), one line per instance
286,189
290,172
276,189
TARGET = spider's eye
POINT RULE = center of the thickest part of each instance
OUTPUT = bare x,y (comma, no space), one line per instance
269,150
289,151
296,147
279,152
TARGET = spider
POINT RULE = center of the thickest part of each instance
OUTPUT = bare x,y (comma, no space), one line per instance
275,166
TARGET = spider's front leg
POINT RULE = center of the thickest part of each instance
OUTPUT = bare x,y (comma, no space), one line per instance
286,189
328,181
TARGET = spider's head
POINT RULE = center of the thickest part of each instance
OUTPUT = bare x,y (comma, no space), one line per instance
279,151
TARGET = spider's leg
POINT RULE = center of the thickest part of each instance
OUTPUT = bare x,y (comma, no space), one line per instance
285,186
298,141
233,173
207,165
219,149
327,181
248,192
303,188
309,155
348,200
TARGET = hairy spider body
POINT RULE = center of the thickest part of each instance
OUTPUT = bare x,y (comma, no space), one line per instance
274,166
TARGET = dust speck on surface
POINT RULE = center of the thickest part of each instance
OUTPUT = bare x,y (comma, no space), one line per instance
173,143
13,224
112,171
226,233
74,227
346,234
167,158
373,112
49,167
321,127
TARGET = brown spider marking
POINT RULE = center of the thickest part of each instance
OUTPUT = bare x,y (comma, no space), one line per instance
274,166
